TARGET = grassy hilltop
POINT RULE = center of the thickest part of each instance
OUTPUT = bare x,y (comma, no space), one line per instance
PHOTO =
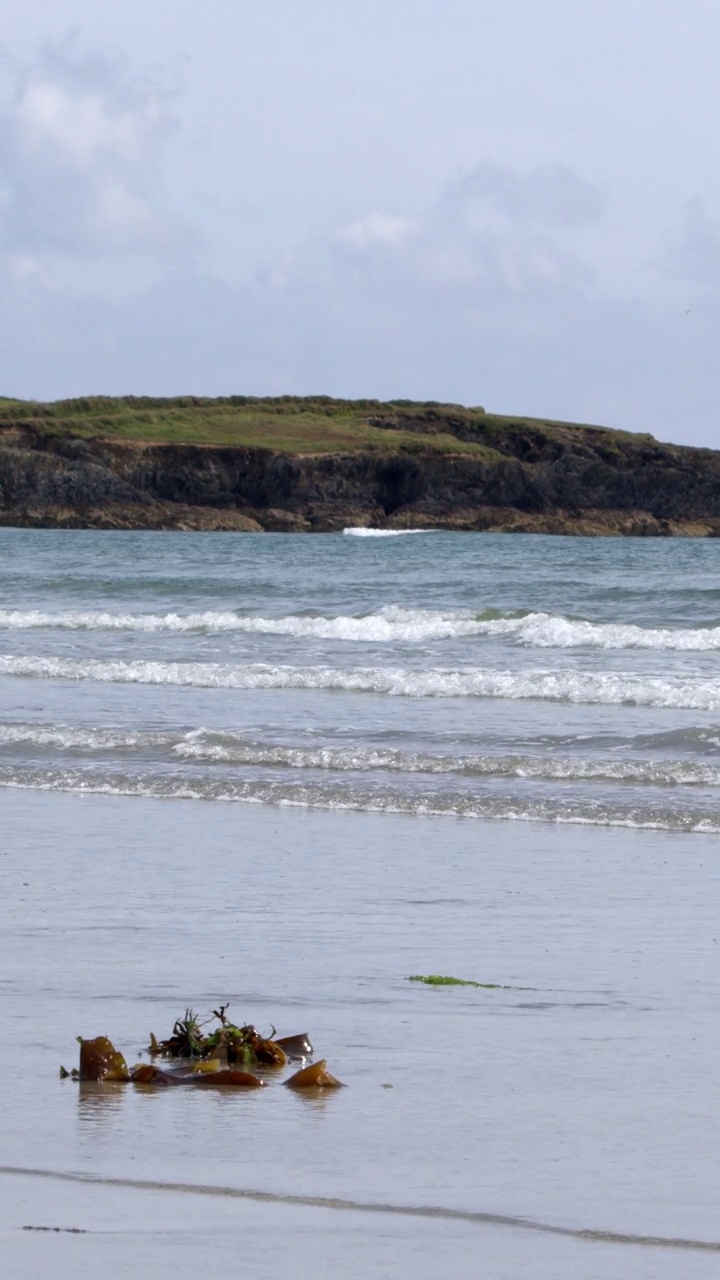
288,424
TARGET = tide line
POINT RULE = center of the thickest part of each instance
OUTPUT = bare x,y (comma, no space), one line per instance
360,1206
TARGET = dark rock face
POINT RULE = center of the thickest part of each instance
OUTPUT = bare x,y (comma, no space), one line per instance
46,479
590,482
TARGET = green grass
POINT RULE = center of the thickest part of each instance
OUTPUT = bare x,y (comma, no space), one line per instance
289,425
292,424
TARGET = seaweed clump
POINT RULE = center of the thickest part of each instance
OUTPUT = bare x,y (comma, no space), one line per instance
225,1043
212,1054
437,980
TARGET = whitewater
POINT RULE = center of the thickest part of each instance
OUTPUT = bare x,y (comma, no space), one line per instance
545,678
388,625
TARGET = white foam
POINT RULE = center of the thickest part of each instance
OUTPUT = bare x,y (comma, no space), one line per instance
387,625
360,532
662,773
70,737
546,631
390,624
507,808
592,687
205,746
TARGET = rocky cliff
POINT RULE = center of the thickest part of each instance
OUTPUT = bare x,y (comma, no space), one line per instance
507,474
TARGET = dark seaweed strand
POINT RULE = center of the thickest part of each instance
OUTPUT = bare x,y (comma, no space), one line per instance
357,1206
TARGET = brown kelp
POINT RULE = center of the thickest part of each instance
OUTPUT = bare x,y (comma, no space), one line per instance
316,1076
100,1060
208,1054
228,1078
295,1047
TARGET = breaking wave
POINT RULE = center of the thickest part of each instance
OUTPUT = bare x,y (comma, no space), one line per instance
587,687
391,624
361,532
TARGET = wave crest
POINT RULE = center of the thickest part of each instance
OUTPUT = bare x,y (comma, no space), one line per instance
590,687
390,624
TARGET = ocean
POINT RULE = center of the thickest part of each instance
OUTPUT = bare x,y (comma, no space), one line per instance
292,772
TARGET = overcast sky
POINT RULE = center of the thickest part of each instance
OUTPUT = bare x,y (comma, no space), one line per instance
514,205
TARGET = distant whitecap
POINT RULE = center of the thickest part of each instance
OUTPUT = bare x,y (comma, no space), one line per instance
360,532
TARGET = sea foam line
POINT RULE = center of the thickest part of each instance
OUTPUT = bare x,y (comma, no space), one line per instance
663,773
387,625
205,746
584,687
356,799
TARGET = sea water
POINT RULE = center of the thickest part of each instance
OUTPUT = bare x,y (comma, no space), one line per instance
292,772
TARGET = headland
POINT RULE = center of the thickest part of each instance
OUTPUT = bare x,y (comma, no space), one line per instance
317,464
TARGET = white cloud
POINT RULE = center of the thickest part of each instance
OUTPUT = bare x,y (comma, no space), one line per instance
81,145
78,126
376,228
25,267
449,250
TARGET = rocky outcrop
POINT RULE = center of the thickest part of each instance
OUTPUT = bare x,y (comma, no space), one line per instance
563,481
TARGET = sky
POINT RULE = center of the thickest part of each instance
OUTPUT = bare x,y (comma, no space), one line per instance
514,206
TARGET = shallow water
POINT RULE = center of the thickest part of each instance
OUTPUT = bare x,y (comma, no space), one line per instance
578,1095
582,1098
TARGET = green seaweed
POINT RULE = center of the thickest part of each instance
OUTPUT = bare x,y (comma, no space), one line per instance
437,980
227,1041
